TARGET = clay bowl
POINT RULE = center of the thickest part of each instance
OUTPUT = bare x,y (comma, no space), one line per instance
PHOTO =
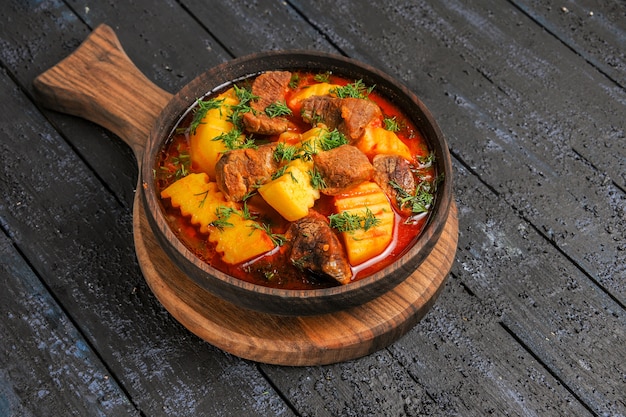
117,103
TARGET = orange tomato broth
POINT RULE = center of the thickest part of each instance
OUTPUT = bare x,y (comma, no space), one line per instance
273,269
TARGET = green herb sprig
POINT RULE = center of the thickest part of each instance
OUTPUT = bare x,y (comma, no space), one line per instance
356,89
391,124
332,139
222,213
235,140
317,181
420,201
350,222
285,152
201,110
323,77
276,238
278,108
245,97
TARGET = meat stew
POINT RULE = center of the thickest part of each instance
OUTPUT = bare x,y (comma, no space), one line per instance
296,180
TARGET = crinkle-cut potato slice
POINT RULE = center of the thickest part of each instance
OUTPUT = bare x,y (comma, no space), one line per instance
240,241
291,194
377,140
198,198
205,151
361,244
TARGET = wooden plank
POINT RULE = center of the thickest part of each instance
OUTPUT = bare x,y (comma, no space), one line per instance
456,113
34,40
465,355
47,368
376,385
598,34
77,237
462,54
155,44
260,25
161,38
488,86
595,31
576,331
296,376
471,366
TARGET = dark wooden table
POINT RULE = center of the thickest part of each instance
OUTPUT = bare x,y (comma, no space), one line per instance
532,98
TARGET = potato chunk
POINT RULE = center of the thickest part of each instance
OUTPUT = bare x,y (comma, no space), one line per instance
292,194
362,244
196,198
204,150
240,241
376,140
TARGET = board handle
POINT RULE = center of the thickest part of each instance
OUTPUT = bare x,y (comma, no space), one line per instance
98,82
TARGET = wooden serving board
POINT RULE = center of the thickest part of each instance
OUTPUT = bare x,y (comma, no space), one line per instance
296,341
99,83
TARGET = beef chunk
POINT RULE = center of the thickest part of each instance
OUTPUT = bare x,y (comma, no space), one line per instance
238,171
270,87
324,109
342,168
393,168
356,114
348,115
262,124
316,249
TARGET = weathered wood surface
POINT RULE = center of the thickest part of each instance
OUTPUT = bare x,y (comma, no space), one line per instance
532,99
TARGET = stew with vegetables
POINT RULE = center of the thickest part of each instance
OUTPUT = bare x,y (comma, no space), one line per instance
296,180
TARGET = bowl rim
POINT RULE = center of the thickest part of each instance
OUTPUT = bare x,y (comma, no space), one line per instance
220,76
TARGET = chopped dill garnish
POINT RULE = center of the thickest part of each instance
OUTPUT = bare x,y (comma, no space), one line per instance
235,140
317,181
332,139
354,90
278,108
244,96
245,212
201,111
323,77
294,81
248,195
183,164
279,173
426,161
276,238
349,222
205,194
420,201
309,149
285,152
391,124
223,214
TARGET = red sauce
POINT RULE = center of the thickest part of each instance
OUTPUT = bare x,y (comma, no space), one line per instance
273,268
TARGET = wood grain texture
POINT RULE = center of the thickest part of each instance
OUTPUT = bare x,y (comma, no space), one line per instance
598,35
501,122
295,341
98,82
90,268
70,378
498,340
